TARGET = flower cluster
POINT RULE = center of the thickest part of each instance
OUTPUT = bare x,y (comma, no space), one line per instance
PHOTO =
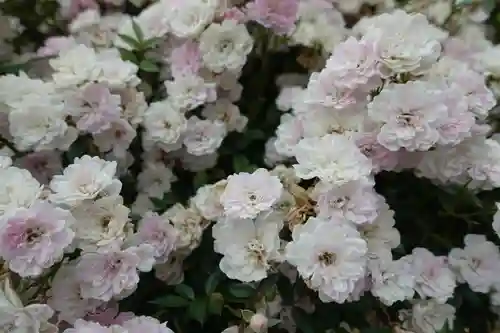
249,166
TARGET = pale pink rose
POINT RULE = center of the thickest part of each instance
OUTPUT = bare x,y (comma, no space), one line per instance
234,13
278,15
457,49
203,136
34,239
158,232
323,91
143,324
116,139
410,114
64,295
109,314
456,127
480,99
54,45
354,64
362,286
356,202
259,323
248,194
185,59
434,277
408,159
289,133
381,157
113,274
99,109
42,165
71,8
83,326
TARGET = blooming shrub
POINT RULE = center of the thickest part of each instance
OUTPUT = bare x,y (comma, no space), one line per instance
249,166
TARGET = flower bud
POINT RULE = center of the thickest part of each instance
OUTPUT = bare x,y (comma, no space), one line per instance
258,323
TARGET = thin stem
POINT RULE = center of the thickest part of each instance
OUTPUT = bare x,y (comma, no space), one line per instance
10,145
177,326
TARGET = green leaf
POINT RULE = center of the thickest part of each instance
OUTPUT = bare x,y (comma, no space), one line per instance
252,168
171,301
11,68
269,282
200,179
488,5
242,143
247,315
185,291
343,330
163,203
303,321
273,322
255,134
212,282
130,41
135,217
136,3
138,31
268,287
77,149
128,55
471,297
400,250
285,289
218,173
445,329
216,304
241,290
157,202
198,310
463,2
377,330
234,312
151,43
473,199
149,66
241,163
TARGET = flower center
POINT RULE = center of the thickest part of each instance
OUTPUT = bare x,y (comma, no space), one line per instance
40,165
257,251
367,150
327,258
475,263
368,230
339,202
105,221
224,45
32,235
115,264
406,119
